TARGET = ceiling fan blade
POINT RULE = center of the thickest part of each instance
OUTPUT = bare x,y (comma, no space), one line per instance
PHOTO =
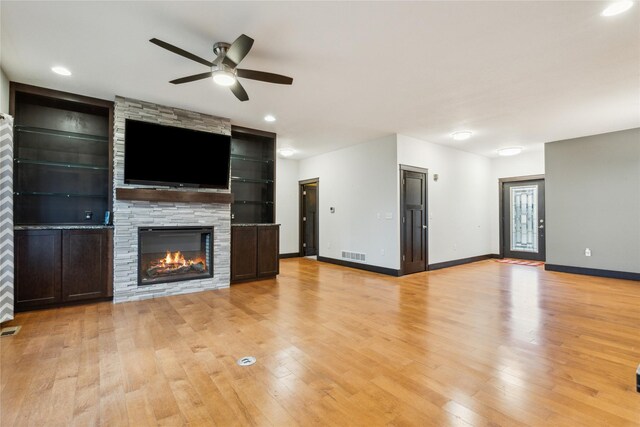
191,78
237,51
239,91
264,76
180,52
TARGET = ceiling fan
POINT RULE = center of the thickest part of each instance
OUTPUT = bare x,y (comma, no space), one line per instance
224,69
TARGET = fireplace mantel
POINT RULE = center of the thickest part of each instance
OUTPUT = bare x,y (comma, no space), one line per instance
154,195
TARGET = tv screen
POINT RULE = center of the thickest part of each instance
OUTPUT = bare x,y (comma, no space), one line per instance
166,155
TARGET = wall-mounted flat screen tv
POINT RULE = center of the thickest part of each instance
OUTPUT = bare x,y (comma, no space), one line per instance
166,155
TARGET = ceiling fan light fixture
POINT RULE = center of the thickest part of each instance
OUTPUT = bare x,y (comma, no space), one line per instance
224,77
509,151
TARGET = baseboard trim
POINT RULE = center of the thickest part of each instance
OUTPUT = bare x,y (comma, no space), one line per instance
612,274
366,267
453,263
289,255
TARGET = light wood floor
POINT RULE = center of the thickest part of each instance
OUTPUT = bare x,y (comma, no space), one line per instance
480,344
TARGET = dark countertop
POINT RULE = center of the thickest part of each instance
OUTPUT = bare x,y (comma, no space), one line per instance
63,227
254,225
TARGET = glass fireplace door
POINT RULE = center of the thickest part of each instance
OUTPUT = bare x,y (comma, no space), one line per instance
174,254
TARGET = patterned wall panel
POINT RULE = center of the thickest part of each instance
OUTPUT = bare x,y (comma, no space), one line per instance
6,217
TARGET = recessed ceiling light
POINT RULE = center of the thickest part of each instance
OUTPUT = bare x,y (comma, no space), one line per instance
61,70
224,77
269,118
461,135
509,151
617,7
286,152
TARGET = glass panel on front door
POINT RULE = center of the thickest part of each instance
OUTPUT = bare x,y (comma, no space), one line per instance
524,218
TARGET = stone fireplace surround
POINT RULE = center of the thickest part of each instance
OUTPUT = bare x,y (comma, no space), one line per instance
128,215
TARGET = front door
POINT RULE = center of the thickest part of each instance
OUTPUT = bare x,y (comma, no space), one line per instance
523,221
413,209
309,218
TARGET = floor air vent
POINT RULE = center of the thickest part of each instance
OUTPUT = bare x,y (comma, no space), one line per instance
354,256
9,331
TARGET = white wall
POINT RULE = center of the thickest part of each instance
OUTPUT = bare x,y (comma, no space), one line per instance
526,163
287,204
458,202
4,92
361,183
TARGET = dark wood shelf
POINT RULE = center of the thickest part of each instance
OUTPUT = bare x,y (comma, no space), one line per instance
153,195
252,175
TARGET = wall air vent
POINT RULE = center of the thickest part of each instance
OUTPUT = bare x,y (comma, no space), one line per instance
354,256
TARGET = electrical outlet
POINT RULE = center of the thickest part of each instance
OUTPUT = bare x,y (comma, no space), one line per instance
587,252
382,252
88,215
329,245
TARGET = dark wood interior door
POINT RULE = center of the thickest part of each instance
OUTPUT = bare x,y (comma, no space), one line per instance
85,264
309,219
414,221
523,220
38,268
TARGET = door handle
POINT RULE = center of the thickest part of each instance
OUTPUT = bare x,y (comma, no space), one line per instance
424,227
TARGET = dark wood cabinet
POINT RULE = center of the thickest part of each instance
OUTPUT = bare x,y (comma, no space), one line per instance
254,251
38,268
244,247
268,250
59,266
86,266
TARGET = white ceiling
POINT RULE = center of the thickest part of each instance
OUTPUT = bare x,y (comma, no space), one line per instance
514,73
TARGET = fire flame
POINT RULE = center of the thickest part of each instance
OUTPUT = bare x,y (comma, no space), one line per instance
177,259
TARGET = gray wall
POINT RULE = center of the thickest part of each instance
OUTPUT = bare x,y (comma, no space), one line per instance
593,201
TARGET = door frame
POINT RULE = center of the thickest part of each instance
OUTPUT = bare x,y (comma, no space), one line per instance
501,183
301,185
426,213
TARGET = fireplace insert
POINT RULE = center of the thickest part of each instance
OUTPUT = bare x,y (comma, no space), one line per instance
171,254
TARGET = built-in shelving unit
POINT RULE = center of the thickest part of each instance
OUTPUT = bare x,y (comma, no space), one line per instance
62,157
62,188
252,176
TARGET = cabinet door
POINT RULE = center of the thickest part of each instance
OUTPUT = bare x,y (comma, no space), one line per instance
38,272
244,243
85,264
268,249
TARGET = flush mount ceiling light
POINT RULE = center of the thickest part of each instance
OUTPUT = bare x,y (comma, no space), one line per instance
509,151
269,118
286,152
617,7
461,135
61,70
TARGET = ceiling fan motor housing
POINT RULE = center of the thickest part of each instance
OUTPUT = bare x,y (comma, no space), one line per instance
220,48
